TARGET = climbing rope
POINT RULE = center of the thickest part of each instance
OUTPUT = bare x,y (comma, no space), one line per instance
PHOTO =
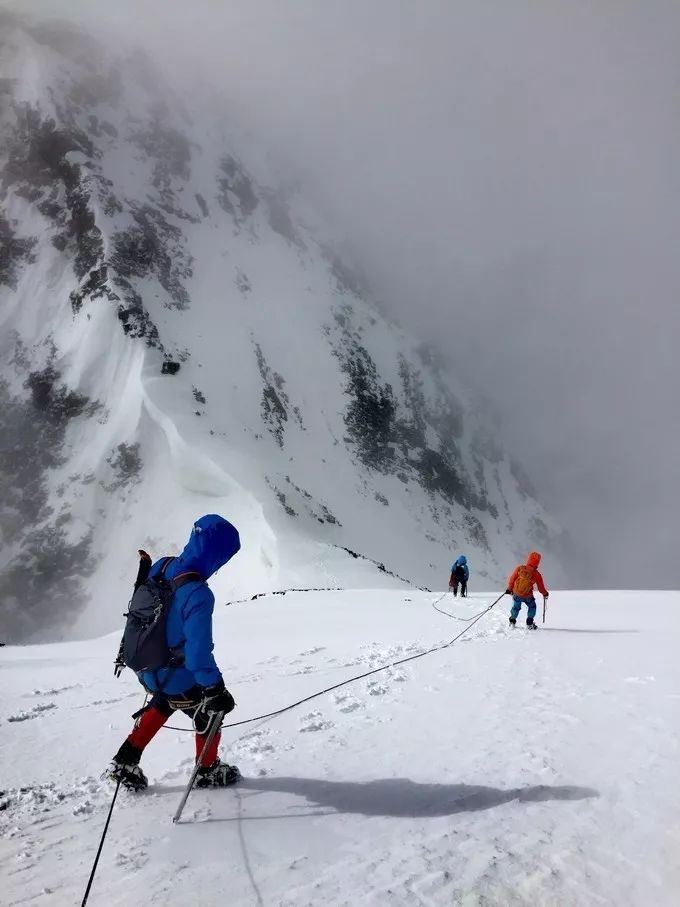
287,708
453,616
293,705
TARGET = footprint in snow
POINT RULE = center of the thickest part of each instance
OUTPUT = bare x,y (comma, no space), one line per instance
136,859
377,687
255,744
314,651
347,703
314,721
32,713
54,692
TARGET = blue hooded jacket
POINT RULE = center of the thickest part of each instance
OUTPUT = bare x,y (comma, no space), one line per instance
213,542
462,562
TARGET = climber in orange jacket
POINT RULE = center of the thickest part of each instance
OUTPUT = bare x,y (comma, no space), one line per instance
521,584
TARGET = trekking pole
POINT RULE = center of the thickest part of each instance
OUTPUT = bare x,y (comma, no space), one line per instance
215,725
101,845
545,601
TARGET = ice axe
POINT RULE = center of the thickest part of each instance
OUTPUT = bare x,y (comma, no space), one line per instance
545,602
213,728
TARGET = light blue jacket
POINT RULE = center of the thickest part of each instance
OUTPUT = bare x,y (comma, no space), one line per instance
462,562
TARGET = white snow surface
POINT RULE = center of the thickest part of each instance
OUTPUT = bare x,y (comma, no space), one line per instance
512,768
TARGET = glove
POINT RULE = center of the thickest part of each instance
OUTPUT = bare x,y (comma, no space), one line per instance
508,591
547,595
217,698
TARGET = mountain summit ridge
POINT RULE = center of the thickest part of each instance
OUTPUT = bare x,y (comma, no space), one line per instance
180,336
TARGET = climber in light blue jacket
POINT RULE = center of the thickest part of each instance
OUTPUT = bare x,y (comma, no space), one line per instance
460,573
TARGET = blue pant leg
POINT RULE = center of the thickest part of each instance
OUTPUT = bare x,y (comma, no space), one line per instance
516,605
531,608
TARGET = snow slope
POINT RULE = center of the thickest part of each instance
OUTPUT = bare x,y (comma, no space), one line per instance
179,335
509,769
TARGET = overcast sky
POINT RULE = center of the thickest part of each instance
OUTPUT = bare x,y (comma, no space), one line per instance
508,173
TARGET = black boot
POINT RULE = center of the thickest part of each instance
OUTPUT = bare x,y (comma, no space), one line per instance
125,768
513,621
530,624
219,774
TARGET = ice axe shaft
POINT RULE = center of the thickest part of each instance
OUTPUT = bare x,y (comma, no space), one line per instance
215,725
545,602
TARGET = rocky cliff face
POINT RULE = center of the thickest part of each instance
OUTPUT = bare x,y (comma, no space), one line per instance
179,335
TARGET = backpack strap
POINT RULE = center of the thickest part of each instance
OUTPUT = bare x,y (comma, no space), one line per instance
189,576
165,565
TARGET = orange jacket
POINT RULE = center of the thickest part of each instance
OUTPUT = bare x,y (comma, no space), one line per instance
533,561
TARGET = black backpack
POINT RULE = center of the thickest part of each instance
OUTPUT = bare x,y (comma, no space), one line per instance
144,646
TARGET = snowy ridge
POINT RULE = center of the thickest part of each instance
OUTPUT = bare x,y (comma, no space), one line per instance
180,336
512,768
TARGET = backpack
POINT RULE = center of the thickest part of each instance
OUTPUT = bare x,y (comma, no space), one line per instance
144,646
459,573
524,584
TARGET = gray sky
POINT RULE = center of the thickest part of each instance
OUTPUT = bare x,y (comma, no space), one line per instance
508,172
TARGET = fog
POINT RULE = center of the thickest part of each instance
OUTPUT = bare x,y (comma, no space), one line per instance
507,173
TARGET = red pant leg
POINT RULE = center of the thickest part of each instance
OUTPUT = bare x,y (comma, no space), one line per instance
150,723
211,753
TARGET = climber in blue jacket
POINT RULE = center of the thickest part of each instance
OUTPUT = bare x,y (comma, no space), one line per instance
460,573
193,684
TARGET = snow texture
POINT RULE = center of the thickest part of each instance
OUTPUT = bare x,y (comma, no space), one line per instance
512,768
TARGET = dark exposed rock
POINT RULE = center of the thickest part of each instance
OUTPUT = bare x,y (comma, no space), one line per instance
371,411
237,194
275,403
170,151
202,204
169,367
319,511
14,252
242,282
394,433
37,165
168,147
133,316
126,465
154,247
278,215
95,286
43,577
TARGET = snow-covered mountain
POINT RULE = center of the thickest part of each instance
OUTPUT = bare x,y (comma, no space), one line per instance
178,335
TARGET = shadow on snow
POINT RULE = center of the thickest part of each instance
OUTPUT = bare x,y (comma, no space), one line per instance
403,798
572,630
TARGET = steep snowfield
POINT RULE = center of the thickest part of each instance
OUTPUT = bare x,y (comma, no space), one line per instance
509,769
178,335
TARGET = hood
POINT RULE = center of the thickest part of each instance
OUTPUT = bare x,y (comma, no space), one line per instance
534,559
213,542
462,559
